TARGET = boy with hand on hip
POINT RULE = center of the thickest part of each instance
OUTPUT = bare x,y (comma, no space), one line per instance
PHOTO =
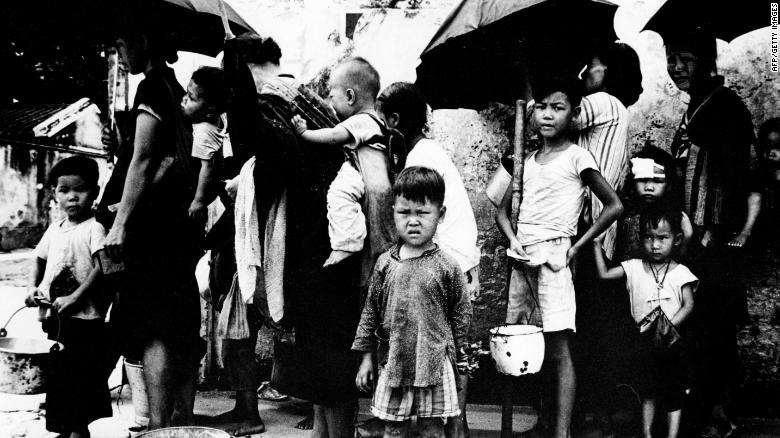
416,316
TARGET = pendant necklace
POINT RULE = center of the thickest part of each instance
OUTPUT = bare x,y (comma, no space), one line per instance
659,284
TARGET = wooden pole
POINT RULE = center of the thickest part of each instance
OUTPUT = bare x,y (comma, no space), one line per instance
519,160
507,404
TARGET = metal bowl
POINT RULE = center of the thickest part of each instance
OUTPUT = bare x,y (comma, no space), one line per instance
185,432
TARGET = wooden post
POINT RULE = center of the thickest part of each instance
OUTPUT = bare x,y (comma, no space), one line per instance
507,404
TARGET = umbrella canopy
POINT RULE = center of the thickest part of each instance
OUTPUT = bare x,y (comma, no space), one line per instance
191,25
486,50
726,19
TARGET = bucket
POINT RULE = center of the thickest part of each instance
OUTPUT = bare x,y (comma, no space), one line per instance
135,377
517,349
23,364
185,432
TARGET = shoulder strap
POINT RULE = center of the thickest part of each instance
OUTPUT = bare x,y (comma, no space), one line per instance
181,152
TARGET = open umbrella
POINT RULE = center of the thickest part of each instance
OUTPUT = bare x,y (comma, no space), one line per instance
724,18
191,25
486,49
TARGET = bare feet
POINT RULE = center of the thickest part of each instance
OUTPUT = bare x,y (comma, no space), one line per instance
307,423
247,427
336,256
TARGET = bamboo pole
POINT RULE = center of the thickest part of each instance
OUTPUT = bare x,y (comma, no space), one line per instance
519,160
507,404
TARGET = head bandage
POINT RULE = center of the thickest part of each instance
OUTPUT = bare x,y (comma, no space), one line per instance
646,168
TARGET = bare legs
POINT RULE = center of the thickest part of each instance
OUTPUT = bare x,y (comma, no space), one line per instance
648,416
334,421
558,361
165,381
427,427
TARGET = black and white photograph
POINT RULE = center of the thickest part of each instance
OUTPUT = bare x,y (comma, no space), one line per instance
389,219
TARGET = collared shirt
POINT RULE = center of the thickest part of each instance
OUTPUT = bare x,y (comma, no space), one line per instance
417,313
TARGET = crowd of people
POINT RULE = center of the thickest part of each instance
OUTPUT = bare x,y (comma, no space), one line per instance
350,233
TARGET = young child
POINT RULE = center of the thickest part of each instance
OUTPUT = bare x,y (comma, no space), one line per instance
416,316
204,105
652,281
651,182
555,181
354,85
66,277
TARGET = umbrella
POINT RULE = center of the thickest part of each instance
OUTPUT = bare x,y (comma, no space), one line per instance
726,19
191,25
487,49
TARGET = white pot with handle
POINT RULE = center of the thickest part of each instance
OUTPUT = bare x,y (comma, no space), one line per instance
517,349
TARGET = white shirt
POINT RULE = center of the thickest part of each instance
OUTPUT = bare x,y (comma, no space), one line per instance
346,221
643,290
362,127
71,247
553,195
457,234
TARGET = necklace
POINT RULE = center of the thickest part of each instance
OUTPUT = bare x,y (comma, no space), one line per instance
659,284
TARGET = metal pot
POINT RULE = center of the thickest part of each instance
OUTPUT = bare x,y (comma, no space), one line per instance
23,364
185,432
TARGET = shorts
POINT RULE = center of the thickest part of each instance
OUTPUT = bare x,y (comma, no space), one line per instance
661,374
402,403
553,283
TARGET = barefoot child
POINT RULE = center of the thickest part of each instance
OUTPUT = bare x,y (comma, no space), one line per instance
66,275
555,181
204,105
402,106
652,281
354,85
416,316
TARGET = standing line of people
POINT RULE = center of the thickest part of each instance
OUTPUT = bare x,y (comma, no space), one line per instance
352,235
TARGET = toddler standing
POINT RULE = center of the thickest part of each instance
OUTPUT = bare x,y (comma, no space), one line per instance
204,105
656,280
651,182
555,181
416,316
66,275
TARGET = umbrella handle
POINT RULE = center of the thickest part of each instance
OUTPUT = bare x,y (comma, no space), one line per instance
225,22
519,158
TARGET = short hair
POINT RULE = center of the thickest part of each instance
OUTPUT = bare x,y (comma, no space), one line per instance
253,48
405,99
547,84
623,78
211,82
84,167
361,75
420,184
650,218
698,40
766,128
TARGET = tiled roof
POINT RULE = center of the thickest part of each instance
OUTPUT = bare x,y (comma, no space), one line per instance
17,122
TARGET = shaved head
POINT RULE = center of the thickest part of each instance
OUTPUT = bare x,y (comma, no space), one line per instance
360,75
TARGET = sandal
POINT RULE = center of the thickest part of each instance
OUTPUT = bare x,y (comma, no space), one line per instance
267,393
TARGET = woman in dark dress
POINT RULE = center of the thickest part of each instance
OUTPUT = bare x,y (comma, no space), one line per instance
712,151
157,311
